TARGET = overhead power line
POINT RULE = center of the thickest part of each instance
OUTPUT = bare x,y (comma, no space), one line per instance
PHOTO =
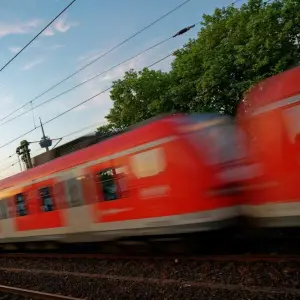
85,128
10,166
35,37
67,135
97,58
8,157
103,91
79,104
64,136
180,32
83,102
73,132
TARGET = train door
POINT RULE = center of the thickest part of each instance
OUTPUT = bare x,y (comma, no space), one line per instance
220,146
48,214
149,168
291,117
291,123
76,211
115,192
7,215
25,207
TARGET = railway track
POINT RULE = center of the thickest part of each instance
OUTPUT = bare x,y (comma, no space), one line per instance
13,293
149,281
228,257
141,277
224,242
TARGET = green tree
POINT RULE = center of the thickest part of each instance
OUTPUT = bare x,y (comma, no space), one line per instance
236,48
139,96
105,129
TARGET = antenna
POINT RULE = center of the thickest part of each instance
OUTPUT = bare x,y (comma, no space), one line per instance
45,141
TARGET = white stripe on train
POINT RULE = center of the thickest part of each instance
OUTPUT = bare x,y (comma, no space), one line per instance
63,175
279,104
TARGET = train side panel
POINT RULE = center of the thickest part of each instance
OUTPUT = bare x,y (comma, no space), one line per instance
152,180
273,125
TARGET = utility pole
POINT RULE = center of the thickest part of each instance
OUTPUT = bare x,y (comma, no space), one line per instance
20,164
24,152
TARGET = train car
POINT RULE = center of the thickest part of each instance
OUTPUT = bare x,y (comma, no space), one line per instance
161,177
270,117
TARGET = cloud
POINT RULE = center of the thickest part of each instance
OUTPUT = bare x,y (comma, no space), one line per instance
57,46
17,28
93,54
8,101
137,64
32,64
87,58
48,32
14,50
103,103
59,26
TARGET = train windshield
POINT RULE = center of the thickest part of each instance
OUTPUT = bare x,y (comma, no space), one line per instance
217,137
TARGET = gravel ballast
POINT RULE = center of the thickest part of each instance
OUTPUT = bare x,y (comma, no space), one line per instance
153,278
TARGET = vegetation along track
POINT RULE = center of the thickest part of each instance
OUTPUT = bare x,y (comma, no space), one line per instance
133,277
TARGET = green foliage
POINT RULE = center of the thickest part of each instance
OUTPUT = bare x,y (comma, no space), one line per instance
139,96
105,129
235,48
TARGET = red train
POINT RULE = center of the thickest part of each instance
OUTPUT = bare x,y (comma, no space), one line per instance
270,117
163,177
174,175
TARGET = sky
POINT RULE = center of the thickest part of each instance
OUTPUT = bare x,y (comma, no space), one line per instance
86,30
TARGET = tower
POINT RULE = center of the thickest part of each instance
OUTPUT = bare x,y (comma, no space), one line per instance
45,141
24,151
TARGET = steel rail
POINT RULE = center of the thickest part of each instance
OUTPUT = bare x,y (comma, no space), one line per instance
34,294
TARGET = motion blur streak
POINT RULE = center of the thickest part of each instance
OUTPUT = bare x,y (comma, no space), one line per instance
174,174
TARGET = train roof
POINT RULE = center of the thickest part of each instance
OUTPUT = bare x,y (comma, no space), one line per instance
143,132
133,136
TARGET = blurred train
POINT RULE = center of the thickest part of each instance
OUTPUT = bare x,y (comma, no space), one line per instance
173,175
165,176
269,116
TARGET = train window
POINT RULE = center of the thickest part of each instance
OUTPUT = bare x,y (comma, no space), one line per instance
21,205
292,120
148,163
74,192
3,210
108,182
46,199
121,178
218,138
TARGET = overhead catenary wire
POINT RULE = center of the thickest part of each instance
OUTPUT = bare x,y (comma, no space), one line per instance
62,137
14,163
68,110
85,128
75,106
97,58
88,98
8,157
36,36
74,132
8,167
77,131
180,32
